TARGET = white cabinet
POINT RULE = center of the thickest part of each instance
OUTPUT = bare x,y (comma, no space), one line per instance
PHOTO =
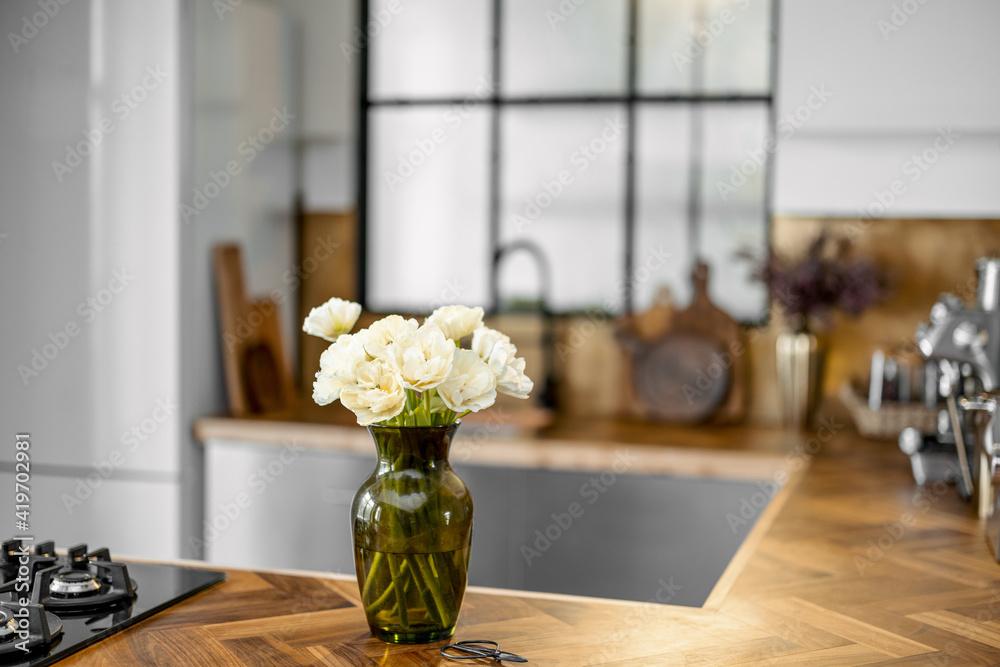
938,66
133,514
280,507
89,266
895,73
106,290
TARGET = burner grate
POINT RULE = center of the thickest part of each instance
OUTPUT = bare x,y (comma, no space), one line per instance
52,606
25,629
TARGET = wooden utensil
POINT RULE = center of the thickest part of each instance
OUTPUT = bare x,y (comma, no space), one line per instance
694,368
258,376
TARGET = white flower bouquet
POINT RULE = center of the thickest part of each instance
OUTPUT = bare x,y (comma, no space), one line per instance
401,373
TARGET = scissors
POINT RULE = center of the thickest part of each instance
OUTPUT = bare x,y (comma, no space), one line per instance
475,649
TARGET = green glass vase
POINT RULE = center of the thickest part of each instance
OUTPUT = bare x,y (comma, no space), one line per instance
412,521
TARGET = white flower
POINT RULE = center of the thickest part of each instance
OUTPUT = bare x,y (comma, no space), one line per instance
509,371
381,334
333,319
376,395
470,386
499,353
456,321
326,389
422,358
338,366
483,340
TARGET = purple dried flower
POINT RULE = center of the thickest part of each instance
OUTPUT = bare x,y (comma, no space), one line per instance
825,279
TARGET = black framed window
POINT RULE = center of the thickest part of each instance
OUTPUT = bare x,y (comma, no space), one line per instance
620,140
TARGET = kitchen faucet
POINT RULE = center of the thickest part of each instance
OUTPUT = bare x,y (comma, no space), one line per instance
547,397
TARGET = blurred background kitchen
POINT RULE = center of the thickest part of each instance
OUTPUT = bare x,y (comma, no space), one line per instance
181,180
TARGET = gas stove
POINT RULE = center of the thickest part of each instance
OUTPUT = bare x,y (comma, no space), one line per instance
54,605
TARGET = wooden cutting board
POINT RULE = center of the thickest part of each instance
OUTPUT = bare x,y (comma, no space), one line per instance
258,375
689,366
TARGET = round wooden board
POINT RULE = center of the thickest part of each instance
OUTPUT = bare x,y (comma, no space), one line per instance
681,378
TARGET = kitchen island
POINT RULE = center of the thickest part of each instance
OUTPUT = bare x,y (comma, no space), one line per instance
851,564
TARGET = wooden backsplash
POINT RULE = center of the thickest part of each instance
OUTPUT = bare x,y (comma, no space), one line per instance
924,257
327,268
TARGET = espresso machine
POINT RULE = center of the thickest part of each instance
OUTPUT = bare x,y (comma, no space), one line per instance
964,340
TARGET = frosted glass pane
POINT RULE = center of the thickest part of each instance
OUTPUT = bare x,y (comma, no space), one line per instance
548,49
664,32
428,209
730,44
562,187
430,48
733,189
739,58
661,214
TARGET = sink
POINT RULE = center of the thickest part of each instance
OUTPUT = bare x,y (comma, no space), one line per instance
626,537
663,537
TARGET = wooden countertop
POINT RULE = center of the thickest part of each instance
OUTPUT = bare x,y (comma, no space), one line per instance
734,453
853,564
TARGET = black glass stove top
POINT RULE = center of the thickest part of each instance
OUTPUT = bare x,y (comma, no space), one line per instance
156,588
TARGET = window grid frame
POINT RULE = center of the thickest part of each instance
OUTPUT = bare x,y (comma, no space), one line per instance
631,99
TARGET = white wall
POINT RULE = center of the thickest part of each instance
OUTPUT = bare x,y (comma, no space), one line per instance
328,67
243,68
897,73
329,62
